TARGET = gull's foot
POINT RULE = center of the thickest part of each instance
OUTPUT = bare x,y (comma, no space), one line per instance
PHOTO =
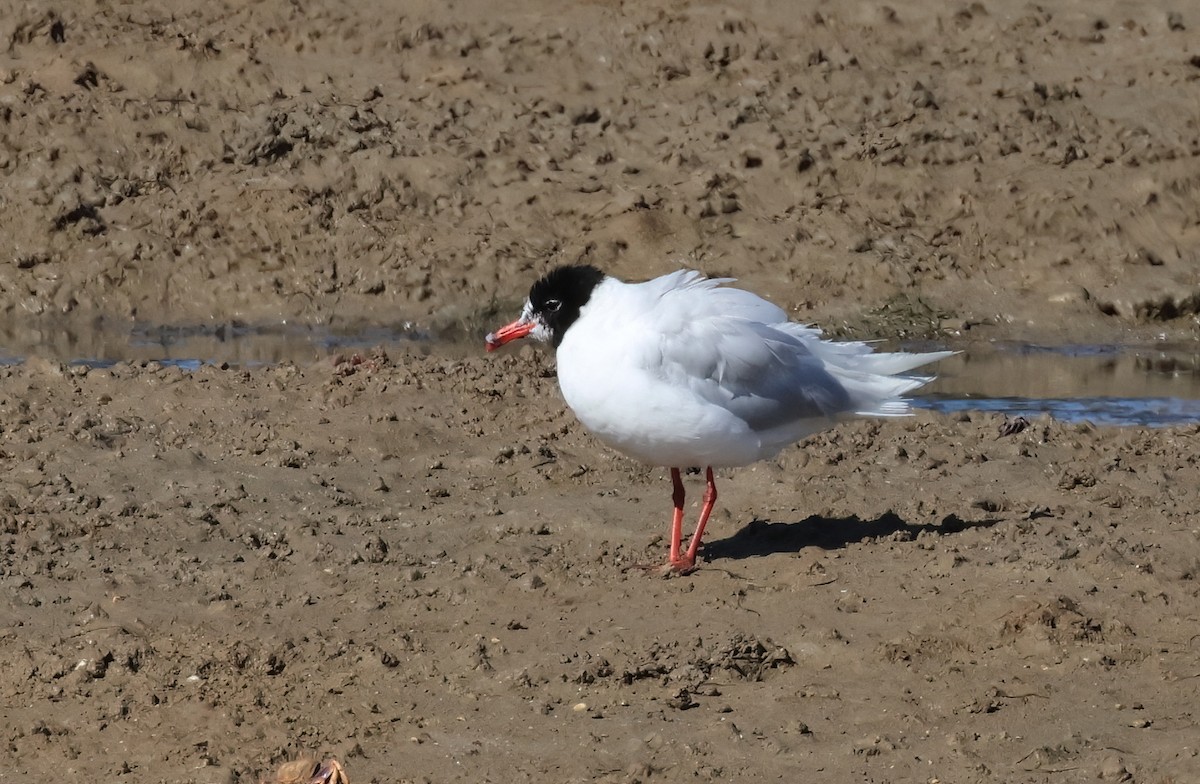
676,568
679,566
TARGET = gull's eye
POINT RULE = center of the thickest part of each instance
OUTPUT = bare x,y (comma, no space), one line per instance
552,305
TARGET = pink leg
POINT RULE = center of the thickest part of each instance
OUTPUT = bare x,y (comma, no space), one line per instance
683,564
710,500
677,520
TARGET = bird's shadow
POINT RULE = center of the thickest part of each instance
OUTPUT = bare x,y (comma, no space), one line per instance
759,537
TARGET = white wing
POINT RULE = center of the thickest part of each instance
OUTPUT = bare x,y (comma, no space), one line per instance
736,350
760,374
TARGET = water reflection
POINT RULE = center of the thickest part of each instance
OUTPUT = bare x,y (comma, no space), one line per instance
1025,370
1147,385
1142,411
1155,386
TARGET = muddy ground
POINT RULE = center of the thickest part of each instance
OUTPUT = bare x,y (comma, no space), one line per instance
420,563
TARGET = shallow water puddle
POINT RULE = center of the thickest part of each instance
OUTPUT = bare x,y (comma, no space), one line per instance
1153,386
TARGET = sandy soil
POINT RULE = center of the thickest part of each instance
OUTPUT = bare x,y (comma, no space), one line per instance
421,563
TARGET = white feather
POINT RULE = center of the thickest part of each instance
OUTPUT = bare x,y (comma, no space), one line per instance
683,371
